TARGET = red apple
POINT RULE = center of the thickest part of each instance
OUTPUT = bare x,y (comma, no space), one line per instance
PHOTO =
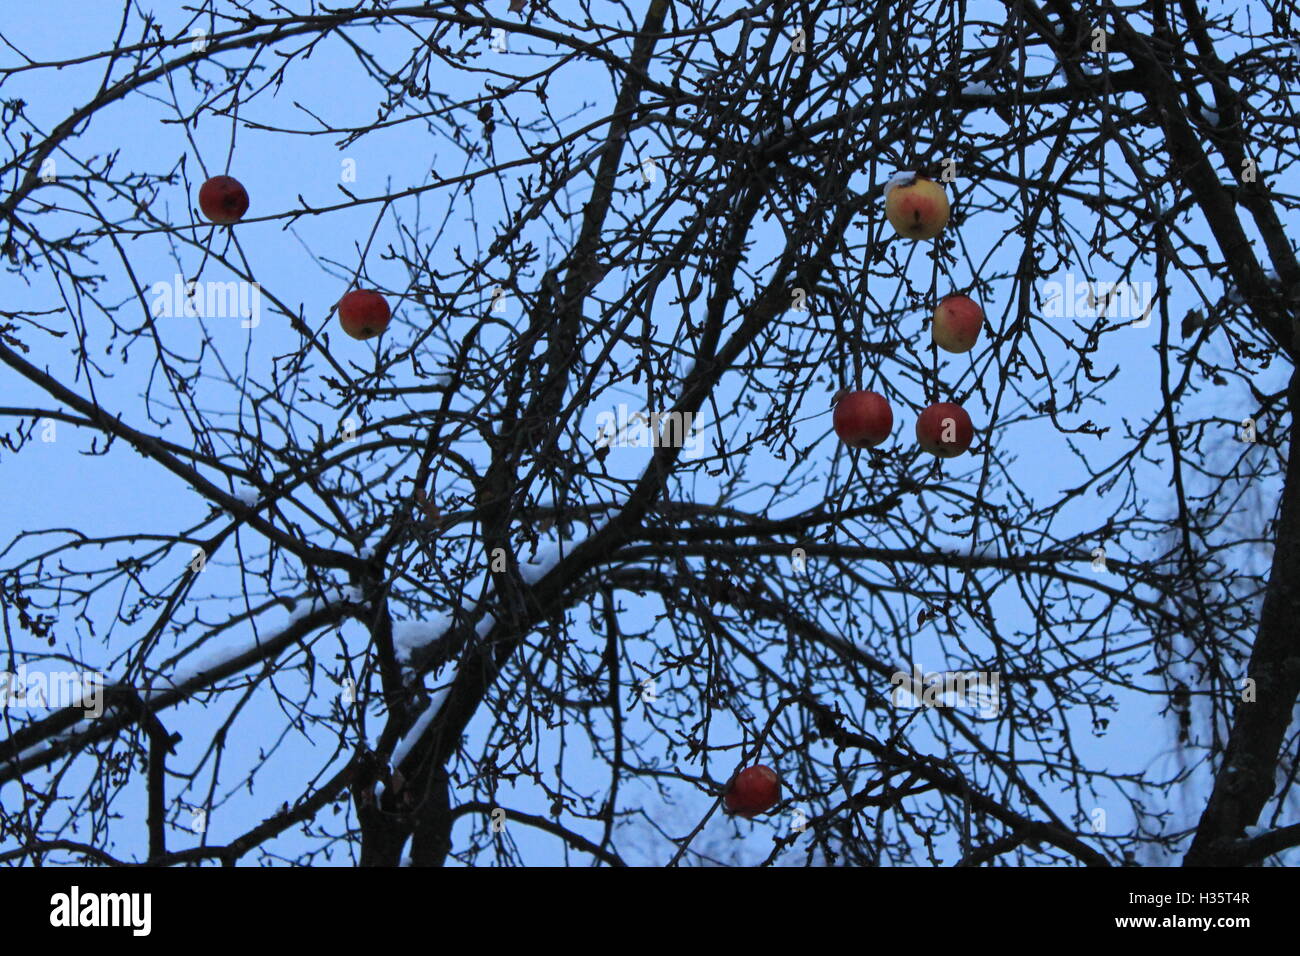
223,200
944,429
957,323
363,313
753,791
863,419
916,207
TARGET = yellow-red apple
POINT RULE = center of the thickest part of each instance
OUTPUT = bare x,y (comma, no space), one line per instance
363,313
916,207
944,429
223,199
863,419
957,323
753,791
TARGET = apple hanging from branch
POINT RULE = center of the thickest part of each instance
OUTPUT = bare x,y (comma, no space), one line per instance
915,206
753,791
863,419
957,323
944,429
364,313
223,199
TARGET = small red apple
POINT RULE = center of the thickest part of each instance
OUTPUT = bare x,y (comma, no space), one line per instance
223,200
863,419
363,313
944,429
916,207
957,323
753,791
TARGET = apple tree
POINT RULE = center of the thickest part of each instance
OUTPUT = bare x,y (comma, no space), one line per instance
528,572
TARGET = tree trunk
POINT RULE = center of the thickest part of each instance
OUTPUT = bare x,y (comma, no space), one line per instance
1245,779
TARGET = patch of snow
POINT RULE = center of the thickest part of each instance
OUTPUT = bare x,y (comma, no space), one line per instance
410,635
417,730
246,494
547,557
79,727
977,89
551,554
421,725
303,608
214,659
207,662
899,180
